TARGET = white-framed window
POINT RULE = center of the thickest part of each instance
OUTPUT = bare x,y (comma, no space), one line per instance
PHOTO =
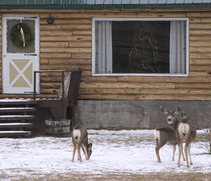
140,47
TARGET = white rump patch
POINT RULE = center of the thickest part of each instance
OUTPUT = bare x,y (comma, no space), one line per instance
183,129
77,134
157,135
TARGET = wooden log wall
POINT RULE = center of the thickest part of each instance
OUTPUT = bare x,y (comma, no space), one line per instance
0,53
67,44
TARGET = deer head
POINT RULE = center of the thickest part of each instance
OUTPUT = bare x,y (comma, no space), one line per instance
171,115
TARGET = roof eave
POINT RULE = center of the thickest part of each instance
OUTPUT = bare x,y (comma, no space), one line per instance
109,6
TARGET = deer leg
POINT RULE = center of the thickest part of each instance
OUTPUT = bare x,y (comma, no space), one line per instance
79,153
85,151
74,149
183,156
180,151
186,154
157,148
174,150
159,145
190,154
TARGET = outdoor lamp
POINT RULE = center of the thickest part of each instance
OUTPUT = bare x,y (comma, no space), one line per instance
50,20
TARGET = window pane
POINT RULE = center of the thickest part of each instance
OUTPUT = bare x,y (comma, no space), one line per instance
140,47
15,39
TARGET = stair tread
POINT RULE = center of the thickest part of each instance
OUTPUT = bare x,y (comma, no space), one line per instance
15,133
17,108
15,125
21,116
17,101
16,117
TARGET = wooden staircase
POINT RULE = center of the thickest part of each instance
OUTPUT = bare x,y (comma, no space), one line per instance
16,117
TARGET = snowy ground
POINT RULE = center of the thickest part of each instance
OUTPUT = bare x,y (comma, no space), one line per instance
117,155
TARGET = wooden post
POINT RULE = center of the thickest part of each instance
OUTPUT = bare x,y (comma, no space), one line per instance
34,85
63,85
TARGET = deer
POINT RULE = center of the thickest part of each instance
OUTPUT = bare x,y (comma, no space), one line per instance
184,130
165,135
186,133
80,139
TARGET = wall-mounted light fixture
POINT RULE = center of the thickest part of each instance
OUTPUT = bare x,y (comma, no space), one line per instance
50,20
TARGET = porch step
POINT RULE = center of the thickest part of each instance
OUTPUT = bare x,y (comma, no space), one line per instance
17,109
17,117
15,134
15,125
12,102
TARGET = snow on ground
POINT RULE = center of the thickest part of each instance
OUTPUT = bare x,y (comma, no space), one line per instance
125,151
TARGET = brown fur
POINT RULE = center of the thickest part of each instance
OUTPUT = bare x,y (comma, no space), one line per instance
80,139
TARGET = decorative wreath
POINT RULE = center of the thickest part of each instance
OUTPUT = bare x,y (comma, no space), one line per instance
21,35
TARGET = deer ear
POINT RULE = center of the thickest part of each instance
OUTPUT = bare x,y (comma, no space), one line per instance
179,109
183,114
163,110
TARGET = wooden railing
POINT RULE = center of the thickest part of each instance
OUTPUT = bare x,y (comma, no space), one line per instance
51,71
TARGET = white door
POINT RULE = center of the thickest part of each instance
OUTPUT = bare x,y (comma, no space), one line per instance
20,53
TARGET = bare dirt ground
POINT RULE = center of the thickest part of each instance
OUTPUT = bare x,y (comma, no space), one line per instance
120,176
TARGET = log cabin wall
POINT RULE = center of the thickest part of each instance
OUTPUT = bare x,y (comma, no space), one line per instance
67,44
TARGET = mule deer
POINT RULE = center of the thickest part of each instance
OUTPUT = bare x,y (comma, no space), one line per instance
80,139
164,136
186,133
184,130
171,117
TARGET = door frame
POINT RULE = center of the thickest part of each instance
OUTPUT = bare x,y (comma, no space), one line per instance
4,49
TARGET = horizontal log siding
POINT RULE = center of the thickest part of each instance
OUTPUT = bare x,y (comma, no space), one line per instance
67,44
0,53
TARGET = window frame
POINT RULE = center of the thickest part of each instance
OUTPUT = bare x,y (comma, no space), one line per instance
140,74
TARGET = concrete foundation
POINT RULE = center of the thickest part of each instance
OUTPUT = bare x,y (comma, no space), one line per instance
108,114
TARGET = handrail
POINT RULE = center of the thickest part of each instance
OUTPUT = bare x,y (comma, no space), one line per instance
51,71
